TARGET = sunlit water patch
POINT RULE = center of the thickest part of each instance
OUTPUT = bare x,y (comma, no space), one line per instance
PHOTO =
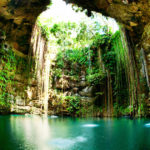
90,125
65,143
53,116
147,125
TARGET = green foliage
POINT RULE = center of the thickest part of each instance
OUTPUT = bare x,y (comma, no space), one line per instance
69,35
9,66
73,103
78,46
59,60
115,61
6,73
57,72
77,56
121,88
122,110
109,60
125,111
96,78
102,40
73,59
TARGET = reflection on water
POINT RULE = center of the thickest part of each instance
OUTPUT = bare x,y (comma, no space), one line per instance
32,130
53,133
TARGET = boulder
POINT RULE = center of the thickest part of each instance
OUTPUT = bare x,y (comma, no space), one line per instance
82,78
75,90
62,84
87,91
83,84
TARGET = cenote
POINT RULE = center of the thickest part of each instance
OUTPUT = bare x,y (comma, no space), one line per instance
70,70
20,132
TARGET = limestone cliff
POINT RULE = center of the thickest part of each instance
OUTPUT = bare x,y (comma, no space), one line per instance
17,18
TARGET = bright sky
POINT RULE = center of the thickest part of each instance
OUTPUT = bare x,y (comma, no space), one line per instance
62,12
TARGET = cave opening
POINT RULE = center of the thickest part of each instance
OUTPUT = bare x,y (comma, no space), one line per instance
82,64
69,65
71,78
79,63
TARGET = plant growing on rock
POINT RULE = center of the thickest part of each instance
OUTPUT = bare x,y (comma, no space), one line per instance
10,65
73,103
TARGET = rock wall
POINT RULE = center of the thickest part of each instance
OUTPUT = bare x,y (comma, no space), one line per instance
19,85
17,18
13,78
65,90
72,94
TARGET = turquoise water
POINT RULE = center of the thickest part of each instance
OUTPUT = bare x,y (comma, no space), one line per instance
38,133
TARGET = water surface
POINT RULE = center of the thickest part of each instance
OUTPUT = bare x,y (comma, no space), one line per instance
18,132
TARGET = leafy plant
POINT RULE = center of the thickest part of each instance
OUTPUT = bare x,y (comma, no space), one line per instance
96,77
10,64
73,103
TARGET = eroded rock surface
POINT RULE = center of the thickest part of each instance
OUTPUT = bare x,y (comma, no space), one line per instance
134,14
17,18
